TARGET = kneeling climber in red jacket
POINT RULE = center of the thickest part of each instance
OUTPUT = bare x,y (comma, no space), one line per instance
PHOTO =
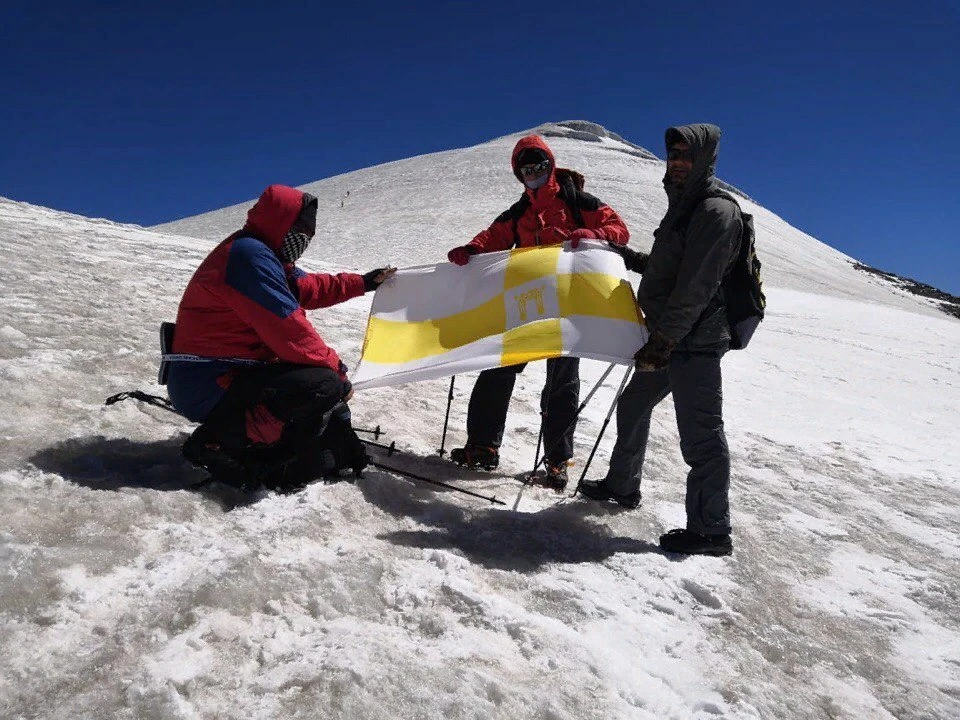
247,363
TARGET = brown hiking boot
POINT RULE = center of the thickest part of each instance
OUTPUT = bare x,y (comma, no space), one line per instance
474,456
554,476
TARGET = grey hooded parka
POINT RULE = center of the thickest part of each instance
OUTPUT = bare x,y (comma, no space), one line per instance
694,247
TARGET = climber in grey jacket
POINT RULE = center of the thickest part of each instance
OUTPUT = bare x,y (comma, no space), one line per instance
681,297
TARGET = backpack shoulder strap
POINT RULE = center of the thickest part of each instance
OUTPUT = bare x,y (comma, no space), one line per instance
166,347
684,221
574,203
516,211
571,192
513,214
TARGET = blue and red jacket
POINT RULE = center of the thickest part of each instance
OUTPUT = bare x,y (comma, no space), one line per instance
549,206
244,303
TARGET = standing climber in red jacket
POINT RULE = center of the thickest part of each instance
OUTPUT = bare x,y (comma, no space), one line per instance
553,209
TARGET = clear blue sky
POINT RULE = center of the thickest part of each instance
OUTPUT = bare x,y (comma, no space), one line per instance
841,117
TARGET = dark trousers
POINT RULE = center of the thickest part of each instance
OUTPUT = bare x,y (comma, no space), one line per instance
696,384
487,413
282,402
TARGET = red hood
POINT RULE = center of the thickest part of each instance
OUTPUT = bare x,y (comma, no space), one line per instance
532,141
274,214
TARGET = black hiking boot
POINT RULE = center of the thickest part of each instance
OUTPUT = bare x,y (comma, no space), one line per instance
599,491
474,456
687,542
554,477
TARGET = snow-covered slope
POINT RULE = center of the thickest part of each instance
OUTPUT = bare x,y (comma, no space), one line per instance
415,210
125,593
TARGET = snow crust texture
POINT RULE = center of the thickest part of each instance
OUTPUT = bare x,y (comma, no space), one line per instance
125,592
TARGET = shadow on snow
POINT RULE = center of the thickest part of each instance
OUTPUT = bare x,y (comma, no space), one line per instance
103,463
564,532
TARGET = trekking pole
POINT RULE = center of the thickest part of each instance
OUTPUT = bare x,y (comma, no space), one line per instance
376,432
543,414
437,482
391,448
446,419
536,457
586,400
603,429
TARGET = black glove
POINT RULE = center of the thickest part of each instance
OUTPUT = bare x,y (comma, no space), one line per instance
347,389
635,260
655,355
369,283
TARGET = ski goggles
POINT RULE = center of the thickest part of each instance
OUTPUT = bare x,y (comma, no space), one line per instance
535,169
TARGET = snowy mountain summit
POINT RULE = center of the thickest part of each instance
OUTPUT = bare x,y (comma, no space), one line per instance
126,592
592,132
414,210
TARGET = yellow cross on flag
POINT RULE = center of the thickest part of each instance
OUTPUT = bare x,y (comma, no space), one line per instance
500,309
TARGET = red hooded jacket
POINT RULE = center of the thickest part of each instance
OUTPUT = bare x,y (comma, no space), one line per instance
243,302
547,207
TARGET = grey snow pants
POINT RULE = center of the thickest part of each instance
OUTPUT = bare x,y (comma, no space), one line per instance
694,379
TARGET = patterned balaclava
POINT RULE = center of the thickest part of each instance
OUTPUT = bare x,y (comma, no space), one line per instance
300,234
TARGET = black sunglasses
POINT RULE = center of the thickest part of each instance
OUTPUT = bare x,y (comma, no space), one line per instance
537,169
678,154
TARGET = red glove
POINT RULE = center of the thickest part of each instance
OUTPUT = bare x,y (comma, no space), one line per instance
551,236
460,255
584,234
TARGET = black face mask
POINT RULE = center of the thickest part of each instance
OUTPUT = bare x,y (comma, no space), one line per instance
293,246
297,239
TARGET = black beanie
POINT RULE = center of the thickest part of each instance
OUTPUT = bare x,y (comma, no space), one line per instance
530,156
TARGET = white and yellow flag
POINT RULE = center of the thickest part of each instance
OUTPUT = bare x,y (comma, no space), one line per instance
500,309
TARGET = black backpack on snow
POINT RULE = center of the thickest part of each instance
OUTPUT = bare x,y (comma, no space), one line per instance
325,455
339,445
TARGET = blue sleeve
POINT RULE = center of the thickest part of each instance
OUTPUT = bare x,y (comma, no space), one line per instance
254,271
293,275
